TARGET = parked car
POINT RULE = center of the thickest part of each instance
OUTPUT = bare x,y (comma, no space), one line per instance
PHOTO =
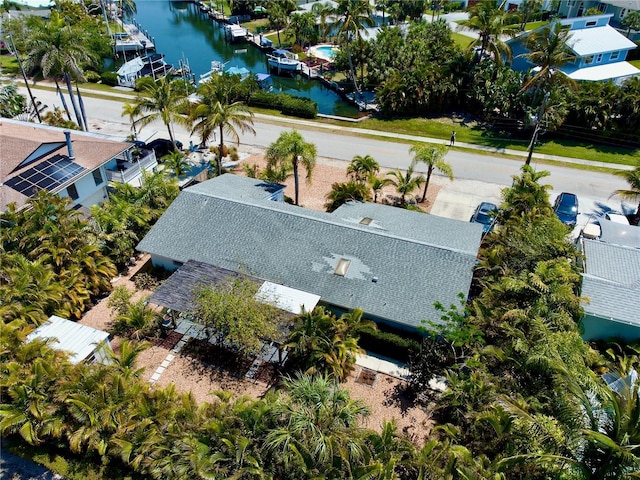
162,146
485,213
566,208
616,217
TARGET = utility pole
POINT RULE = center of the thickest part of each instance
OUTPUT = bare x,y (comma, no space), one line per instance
536,130
24,76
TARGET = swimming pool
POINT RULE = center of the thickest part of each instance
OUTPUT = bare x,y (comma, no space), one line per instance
326,52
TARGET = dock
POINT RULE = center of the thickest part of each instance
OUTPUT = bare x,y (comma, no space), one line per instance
133,39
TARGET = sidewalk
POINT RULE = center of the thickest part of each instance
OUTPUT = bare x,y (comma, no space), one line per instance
377,133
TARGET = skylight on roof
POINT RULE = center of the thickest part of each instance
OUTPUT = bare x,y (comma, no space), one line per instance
366,221
342,267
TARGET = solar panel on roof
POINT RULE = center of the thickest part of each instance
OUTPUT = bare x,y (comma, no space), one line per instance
43,150
47,175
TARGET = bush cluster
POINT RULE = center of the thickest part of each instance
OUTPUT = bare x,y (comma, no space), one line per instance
389,344
109,78
285,103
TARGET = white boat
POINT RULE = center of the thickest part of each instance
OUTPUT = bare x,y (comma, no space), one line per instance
216,68
284,60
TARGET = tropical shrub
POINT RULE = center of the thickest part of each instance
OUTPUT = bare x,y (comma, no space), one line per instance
109,78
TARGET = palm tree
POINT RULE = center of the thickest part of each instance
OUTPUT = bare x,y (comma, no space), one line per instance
548,49
315,433
163,100
405,182
322,11
526,195
377,184
354,16
176,164
342,193
433,157
131,111
291,149
633,192
215,111
491,21
362,167
59,51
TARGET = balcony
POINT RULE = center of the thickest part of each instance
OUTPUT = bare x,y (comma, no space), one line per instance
129,169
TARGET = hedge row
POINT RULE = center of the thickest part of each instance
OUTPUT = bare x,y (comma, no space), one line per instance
389,345
285,103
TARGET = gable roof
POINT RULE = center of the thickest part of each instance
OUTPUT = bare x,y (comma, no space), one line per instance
395,274
26,145
594,40
611,281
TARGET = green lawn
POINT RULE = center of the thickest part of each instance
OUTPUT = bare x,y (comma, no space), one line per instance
534,25
479,136
463,41
9,65
635,63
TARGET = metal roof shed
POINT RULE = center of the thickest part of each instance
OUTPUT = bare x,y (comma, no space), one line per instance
81,341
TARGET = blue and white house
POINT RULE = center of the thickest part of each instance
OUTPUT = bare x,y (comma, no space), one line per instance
600,51
73,164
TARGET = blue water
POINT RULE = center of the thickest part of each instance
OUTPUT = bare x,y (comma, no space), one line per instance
180,31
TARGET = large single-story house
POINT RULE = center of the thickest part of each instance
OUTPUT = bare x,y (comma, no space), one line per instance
600,51
72,164
81,342
611,283
393,263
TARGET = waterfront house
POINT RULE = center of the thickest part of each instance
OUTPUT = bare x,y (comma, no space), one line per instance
393,263
72,164
600,51
81,342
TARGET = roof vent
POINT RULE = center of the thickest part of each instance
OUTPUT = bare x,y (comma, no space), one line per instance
342,267
366,221
67,134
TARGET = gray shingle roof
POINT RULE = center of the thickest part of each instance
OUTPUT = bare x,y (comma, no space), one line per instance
393,275
611,281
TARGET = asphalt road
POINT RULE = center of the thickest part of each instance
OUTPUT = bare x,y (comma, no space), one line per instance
470,169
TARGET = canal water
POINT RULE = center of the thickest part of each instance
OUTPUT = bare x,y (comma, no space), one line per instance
180,31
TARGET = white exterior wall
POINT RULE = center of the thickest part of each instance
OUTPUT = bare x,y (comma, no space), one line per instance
88,192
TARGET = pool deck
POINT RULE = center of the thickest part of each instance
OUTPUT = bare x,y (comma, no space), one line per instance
316,52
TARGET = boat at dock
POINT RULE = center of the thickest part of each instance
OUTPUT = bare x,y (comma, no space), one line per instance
283,60
152,65
235,33
216,68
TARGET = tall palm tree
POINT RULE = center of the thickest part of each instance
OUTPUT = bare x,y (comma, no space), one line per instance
405,182
433,157
548,49
60,51
362,167
354,16
633,192
322,11
131,111
163,100
491,21
291,149
216,111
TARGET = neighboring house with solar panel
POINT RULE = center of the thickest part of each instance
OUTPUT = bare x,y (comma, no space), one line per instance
72,164
600,51
393,263
611,283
